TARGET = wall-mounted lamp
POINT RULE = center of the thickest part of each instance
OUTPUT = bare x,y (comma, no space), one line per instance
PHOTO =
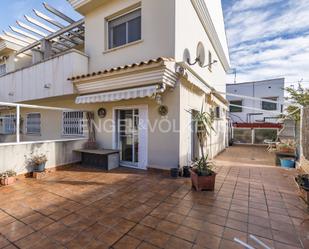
158,99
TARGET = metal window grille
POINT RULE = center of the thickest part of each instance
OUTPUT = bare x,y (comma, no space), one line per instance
73,123
2,69
33,123
9,123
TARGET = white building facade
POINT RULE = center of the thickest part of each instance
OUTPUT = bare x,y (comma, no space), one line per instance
130,63
247,108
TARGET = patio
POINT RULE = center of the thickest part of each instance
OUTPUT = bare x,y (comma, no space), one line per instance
83,208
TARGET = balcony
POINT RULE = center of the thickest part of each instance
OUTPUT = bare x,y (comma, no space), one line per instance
45,79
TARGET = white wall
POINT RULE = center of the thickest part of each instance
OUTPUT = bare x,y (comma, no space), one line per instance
158,34
28,83
260,89
14,157
194,99
190,31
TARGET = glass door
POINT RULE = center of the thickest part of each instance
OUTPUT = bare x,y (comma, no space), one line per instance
128,140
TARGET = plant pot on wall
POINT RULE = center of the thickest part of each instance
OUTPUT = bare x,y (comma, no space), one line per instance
8,177
203,182
8,181
39,167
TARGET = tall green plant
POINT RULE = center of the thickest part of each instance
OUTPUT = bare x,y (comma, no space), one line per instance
204,123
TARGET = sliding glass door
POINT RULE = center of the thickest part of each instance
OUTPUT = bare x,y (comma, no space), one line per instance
128,136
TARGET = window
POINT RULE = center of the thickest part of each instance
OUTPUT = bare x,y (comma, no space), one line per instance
237,108
33,124
2,69
72,123
217,112
124,29
9,123
209,60
268,105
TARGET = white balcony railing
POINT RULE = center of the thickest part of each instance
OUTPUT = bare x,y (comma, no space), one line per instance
45,79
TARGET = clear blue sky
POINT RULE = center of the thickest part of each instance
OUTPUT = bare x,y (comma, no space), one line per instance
267,38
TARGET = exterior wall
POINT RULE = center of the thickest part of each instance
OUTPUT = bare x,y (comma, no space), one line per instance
163,147
29,83
188,38
260,89
158,34
194,99
14,156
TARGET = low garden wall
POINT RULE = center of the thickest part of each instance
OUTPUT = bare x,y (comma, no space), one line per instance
60,152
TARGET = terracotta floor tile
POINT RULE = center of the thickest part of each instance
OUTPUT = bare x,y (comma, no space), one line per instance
110,237
196,224
208,240
3,242
227,244
127,242
15,231
260,231
141,232
158,238
230,234
145,245
287,238
237,225
186,233
176,218
176,243
167,227
150,221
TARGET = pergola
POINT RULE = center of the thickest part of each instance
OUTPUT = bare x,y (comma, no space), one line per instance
44,35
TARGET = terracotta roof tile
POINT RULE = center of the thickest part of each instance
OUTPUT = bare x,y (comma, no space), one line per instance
142,63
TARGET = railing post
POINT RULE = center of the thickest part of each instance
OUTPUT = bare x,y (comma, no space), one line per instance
17,123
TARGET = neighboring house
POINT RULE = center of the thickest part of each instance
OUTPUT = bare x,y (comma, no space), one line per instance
127,59
254,118
262,111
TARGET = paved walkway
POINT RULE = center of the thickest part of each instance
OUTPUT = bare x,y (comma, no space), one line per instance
127,209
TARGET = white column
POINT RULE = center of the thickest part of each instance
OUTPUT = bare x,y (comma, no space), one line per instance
17,124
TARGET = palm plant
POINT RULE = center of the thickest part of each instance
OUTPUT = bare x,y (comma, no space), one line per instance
204,126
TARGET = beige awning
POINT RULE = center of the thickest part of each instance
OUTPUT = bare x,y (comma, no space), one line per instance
133,93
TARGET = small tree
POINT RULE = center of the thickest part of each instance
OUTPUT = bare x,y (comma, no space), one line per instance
297,96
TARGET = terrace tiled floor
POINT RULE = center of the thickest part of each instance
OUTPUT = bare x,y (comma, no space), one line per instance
80,208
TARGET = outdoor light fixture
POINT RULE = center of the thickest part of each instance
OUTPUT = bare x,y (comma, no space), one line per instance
158,99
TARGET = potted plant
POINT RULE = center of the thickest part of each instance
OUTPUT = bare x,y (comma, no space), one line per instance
286,147
303,184
8,177
202,175
38,162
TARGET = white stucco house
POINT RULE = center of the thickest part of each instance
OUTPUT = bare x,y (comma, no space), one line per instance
255,109
132,64
261,111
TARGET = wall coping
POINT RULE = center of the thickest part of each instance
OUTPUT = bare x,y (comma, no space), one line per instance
42,142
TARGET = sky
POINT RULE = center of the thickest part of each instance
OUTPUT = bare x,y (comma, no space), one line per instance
267,38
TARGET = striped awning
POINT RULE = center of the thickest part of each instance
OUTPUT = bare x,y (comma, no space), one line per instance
140,92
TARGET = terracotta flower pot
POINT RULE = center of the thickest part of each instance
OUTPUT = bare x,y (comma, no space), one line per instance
203,182
8,181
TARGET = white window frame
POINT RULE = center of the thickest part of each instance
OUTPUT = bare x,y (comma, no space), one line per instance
108,20
79,125
27,125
